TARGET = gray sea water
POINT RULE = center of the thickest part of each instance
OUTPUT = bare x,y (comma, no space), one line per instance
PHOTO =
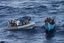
38,10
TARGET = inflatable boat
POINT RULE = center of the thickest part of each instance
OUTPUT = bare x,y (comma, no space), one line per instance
30,25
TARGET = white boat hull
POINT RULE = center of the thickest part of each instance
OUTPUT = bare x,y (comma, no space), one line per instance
27,26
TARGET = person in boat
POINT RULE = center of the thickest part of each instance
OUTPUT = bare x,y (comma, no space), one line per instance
20,21
12,23
24,20
49,25
50,21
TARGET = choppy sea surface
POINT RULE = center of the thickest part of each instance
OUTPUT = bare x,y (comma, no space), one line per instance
38,10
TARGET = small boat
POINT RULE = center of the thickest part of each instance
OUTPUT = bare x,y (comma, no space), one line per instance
30,25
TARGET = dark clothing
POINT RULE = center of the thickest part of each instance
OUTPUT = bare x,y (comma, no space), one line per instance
47,20
51,21
13,24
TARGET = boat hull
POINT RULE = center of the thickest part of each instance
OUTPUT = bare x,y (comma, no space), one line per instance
27,26
49,26
49,30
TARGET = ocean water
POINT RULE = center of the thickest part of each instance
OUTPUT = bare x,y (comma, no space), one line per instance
38,10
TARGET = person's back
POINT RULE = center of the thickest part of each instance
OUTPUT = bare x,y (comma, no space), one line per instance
52,21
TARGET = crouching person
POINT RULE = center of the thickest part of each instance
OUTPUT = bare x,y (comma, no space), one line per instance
12,23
